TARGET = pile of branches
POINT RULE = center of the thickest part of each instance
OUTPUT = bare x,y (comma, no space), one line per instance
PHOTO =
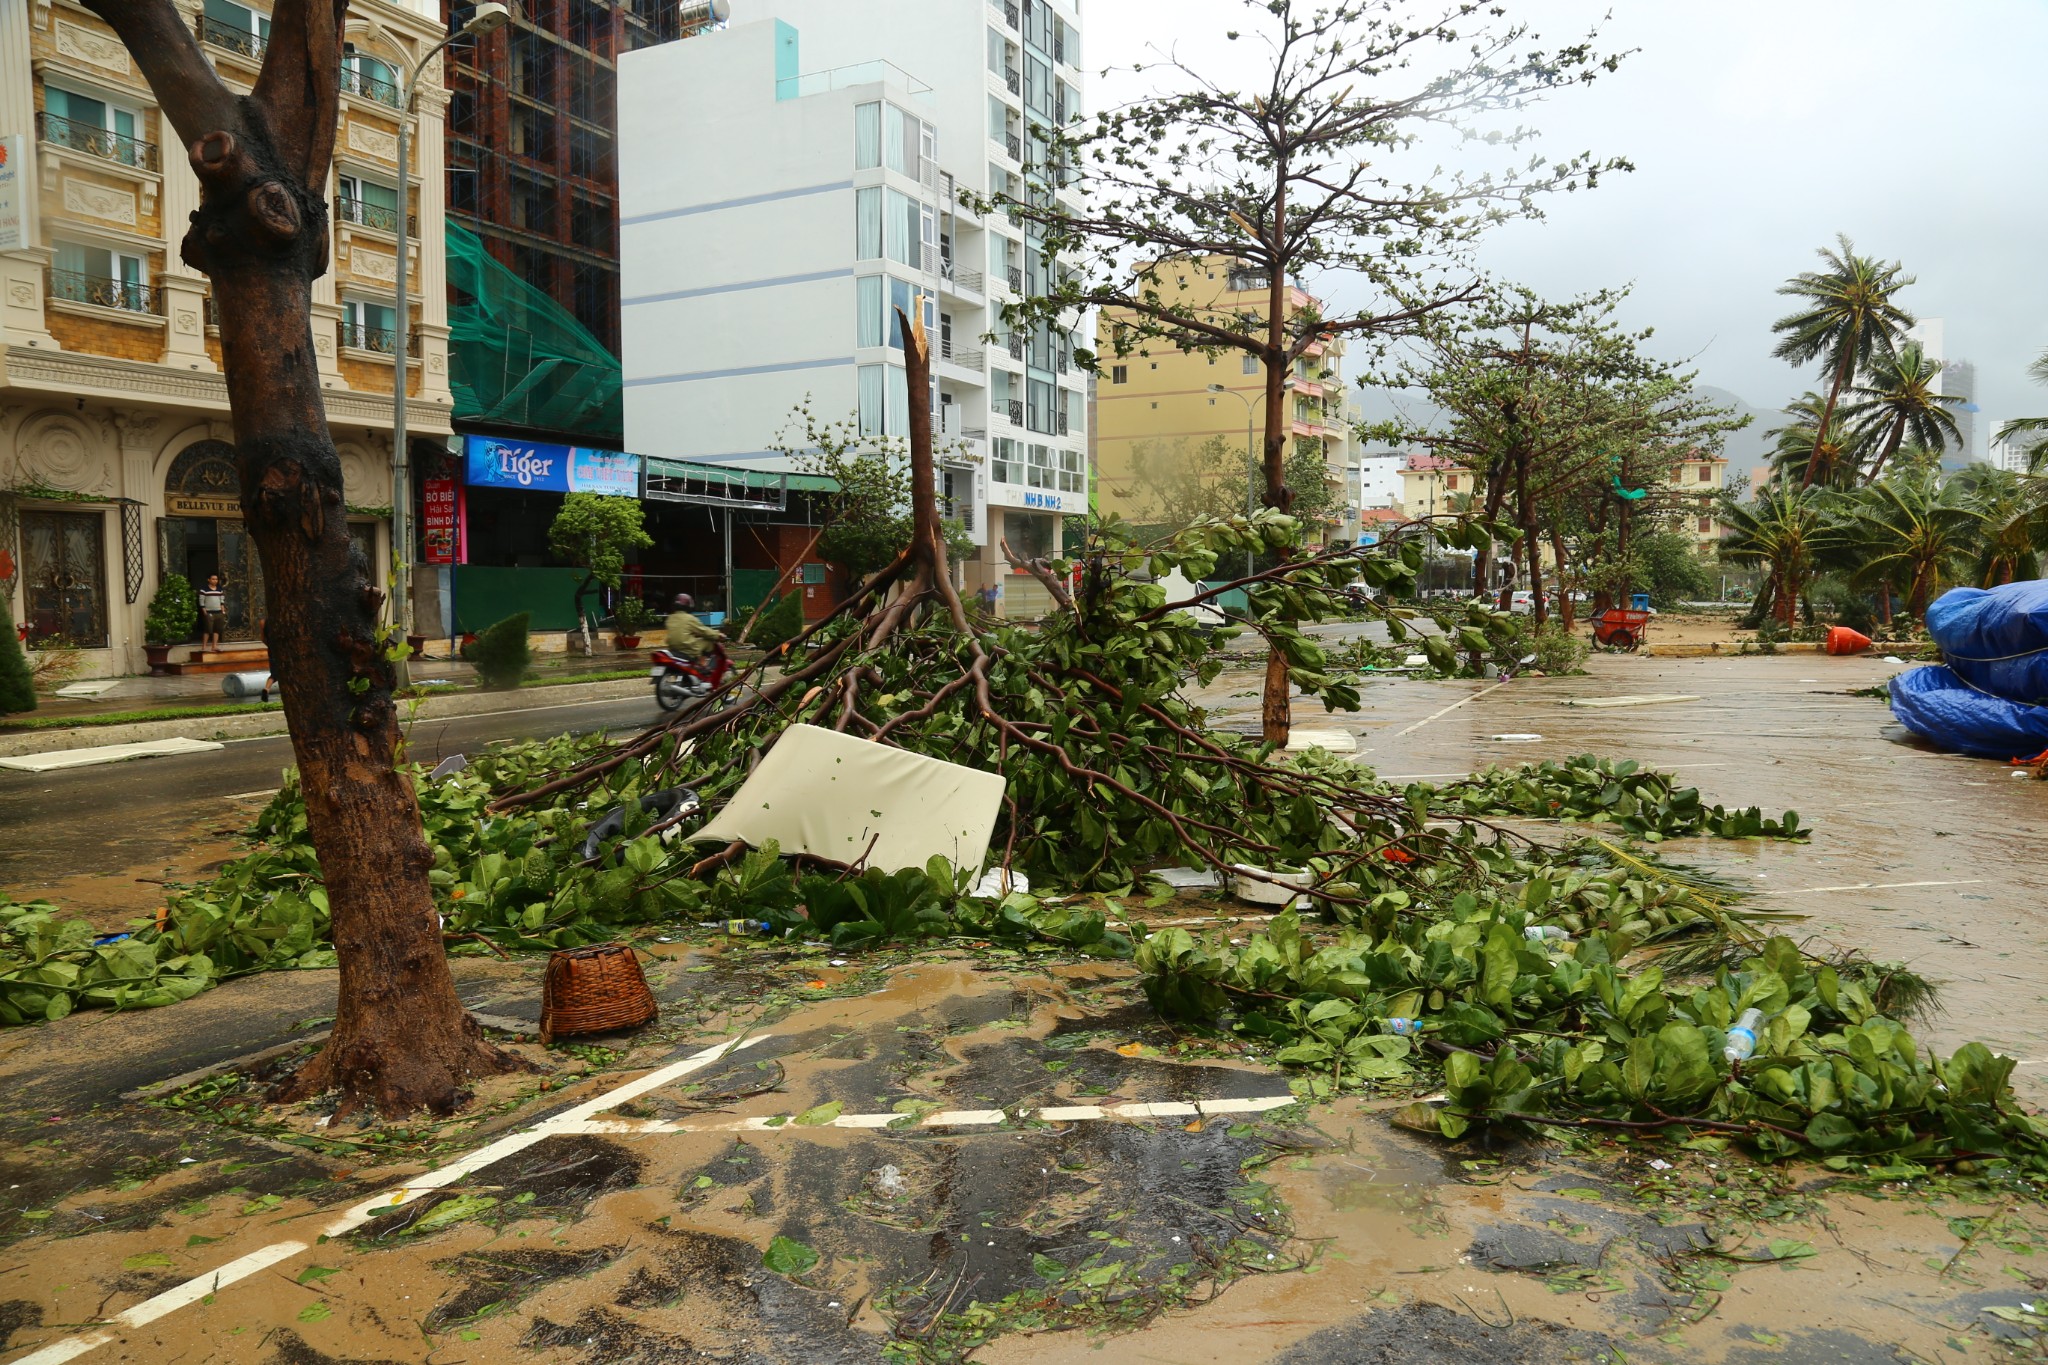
1109,767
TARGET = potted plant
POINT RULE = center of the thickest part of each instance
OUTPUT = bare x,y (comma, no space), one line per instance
171,614
629,618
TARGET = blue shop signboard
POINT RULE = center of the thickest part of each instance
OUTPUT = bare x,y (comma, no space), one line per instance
497,463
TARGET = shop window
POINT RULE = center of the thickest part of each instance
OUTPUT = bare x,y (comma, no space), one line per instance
64,578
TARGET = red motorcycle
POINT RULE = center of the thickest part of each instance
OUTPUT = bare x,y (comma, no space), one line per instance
677,680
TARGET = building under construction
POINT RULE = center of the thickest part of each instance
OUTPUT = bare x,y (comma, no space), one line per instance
533,188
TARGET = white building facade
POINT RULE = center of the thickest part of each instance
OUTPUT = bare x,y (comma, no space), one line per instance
788,182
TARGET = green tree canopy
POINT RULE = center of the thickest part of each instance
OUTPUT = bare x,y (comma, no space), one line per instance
1847,316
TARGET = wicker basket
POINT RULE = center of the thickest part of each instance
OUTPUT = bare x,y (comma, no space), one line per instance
594,990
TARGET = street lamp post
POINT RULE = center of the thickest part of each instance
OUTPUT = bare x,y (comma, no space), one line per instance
487,18
1251,466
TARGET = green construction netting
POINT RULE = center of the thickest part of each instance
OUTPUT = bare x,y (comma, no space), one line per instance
520,358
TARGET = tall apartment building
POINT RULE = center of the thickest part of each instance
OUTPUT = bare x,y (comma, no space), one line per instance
116,466
761,271
532,134
1155,405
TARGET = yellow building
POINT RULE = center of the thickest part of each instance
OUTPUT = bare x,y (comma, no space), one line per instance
1155,407
1432,486
116,466
1694,484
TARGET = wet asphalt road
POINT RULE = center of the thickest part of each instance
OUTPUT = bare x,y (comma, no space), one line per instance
56,824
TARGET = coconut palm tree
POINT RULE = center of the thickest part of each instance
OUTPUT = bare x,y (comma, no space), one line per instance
2014,509
1918,530
1787,530
1847,316
1799,452
1901,397
2032,432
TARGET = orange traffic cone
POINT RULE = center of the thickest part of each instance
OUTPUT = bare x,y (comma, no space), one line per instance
1842,640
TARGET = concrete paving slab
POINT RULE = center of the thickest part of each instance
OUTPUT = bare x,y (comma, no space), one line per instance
107,753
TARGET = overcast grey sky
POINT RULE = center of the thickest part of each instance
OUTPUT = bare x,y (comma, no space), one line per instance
1759,129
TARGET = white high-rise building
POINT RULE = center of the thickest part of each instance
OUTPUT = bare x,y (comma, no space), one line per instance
789,181
1958,380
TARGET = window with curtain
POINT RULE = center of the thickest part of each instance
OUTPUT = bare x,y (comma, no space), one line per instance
868,304
867,136
867,217
892,138
896,413
904,230
869,381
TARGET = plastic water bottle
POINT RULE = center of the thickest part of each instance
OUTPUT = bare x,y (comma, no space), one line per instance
1742,1038
1539,933
1407,1028
747,928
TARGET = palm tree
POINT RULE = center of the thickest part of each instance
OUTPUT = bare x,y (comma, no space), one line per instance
1918,529
1901,397
2014,511
1847,317
1786,529
2034,430
1800,451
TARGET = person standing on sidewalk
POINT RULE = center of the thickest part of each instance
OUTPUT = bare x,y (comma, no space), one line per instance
213,613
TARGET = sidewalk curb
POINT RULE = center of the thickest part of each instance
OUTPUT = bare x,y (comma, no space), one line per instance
444,707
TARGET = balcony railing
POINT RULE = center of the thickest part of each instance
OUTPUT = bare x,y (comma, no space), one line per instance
1015,410
94,140
377,340
1059,424
1014,145
966,357
354,82
233,37
379,216
1016,281
1014,343
75,286
1010,12
963,281
1014,81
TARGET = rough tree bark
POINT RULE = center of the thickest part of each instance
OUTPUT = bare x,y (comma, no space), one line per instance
401,1041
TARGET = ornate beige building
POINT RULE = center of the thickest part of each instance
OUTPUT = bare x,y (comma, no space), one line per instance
115,462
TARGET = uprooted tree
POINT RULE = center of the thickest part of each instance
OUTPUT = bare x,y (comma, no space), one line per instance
401,1039
1305,175
1109,765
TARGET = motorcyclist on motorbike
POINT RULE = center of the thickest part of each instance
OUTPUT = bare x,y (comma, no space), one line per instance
688,637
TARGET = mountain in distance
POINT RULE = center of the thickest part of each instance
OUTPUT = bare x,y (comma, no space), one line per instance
1745,449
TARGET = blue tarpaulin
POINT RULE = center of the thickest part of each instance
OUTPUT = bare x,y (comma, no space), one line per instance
1941,707
1996,638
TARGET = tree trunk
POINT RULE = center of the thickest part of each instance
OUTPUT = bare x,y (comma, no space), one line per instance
1884,600
1275,713
402,1040
1892,441
1827,416
1564,597
1532,537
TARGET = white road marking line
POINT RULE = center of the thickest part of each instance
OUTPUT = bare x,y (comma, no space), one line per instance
1870,886
1420,777
180,1296
1448,709
251,796
972,1118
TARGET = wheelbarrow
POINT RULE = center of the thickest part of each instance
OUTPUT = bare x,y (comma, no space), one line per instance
1620,628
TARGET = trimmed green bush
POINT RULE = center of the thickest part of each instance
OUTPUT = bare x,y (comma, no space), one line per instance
171,612
782,622
17,685
501,653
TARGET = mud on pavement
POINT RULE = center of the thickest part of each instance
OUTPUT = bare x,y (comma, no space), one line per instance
1300,1234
